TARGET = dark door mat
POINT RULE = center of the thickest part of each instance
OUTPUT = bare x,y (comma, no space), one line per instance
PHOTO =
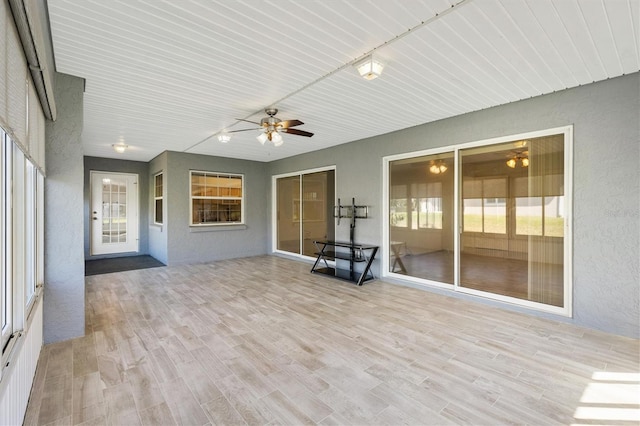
119,264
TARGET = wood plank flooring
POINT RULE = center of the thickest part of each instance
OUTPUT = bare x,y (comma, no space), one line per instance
262,341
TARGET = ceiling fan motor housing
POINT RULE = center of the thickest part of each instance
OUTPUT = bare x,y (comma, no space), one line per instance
270,123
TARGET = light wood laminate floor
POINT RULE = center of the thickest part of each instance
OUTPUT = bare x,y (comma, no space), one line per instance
262,341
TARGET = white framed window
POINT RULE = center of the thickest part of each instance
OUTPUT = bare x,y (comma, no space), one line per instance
158,199
39,229
30,243
6,270
216,198
22,255
22,239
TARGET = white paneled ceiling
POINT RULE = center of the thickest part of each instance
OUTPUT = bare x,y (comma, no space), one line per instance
170,75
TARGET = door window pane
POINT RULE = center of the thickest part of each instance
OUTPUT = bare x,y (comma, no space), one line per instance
528,215
421,217
114,211
288,221
305,211
317,209
513,229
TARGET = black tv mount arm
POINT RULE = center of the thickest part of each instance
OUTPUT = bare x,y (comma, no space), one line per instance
352,212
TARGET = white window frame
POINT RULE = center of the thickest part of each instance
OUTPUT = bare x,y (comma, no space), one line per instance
22,241
19,233
217,174
567,309
156,198
39,230
30,240
6,273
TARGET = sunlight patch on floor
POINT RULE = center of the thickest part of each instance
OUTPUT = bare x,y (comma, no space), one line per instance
611,397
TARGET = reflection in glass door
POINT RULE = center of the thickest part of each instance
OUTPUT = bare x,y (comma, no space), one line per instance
304,211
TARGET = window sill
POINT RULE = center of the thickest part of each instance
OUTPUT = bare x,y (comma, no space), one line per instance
215,228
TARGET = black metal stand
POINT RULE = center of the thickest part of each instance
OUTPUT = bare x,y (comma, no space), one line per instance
357,252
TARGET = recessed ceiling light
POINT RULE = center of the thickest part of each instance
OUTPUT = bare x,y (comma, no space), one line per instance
120,147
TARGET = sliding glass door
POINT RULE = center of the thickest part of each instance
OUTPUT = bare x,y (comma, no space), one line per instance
304,211
421,212
512,240
507,198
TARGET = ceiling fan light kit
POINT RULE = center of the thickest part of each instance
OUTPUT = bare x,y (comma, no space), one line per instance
276,138
438,167
370,67
523,157
262,138
271,127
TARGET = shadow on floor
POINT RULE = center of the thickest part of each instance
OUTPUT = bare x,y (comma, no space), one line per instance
119,264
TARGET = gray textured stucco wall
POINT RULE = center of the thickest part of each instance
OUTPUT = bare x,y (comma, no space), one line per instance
606,227
201,244
119,166
158,234
63,239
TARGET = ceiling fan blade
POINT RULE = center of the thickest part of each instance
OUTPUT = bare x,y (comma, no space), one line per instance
290,123
248,121
243,130
298,132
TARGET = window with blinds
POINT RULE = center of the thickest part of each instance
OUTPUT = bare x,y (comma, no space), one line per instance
216,198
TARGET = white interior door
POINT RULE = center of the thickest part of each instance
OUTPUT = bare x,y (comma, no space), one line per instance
114,213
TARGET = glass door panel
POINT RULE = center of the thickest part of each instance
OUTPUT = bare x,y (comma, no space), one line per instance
114,208
421,212
317,209
305,211
288,215
512,198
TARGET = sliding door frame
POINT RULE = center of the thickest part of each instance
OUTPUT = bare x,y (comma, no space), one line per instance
567,308
274,208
